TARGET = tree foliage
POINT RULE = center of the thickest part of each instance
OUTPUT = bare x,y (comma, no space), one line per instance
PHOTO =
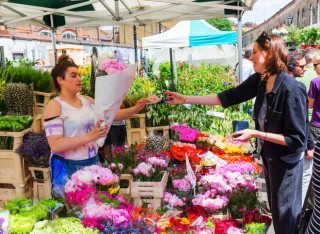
221,24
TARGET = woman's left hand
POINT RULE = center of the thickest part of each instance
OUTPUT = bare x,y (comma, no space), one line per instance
243,135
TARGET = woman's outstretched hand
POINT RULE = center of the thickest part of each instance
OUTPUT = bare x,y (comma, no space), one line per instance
140,105
174,98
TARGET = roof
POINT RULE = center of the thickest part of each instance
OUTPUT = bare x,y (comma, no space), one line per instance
110,12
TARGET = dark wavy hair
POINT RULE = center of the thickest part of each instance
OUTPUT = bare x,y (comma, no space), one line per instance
277,54
59,70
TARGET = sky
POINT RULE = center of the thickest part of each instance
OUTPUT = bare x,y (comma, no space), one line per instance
263,10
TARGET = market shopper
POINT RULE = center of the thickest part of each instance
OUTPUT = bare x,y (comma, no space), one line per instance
297,69
314,99
247,68
69,124
280,115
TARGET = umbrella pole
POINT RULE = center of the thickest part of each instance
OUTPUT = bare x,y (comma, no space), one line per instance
53,39
171,70
54,45
240,48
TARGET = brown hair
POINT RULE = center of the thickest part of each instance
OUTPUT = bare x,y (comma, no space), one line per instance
59,70
277,54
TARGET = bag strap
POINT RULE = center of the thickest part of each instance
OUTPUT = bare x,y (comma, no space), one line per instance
304,207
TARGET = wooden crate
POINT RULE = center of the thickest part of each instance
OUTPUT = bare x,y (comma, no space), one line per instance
160,130
139,119
38,123
18,137
13,168
42,190
40,106
40,174
136,135
126,191
149,192
9,192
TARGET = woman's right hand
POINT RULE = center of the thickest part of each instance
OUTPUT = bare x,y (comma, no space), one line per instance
100,131
174,98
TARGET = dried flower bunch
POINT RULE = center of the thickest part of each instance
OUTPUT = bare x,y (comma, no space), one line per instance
35,149
155,143
19,99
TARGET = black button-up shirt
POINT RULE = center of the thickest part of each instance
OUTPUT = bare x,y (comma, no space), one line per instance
287,112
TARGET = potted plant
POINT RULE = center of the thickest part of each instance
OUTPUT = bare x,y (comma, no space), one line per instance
314,35
293,36
304,39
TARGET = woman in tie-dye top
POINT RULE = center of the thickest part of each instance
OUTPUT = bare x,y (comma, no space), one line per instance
69,124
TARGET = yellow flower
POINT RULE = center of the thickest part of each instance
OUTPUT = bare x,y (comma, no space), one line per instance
184,221
114,191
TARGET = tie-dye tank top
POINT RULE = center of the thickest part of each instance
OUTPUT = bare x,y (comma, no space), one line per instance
74,122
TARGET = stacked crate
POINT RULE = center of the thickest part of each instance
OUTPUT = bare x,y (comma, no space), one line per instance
41,105
136,129
41,182
14,173
150,193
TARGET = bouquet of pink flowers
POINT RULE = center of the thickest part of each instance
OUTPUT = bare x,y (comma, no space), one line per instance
151,170
111,66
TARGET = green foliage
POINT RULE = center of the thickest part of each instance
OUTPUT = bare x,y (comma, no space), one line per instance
157,115
164,81
293,34
222,24
20,62
25,74
204,80
140,88
86,90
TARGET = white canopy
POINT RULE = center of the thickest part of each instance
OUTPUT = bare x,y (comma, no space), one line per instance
116,12
194,42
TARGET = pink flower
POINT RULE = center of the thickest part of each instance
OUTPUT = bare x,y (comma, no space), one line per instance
70,197
182,185
172,199
82,197
111,66
92,223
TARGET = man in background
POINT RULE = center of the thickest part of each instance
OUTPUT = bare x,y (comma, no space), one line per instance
297,68
247,68
310,73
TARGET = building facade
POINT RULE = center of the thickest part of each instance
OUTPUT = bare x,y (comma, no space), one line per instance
301,13
34,41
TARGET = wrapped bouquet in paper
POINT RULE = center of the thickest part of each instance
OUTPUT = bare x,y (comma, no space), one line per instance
111,86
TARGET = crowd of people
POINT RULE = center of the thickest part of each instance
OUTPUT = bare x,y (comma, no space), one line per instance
286,86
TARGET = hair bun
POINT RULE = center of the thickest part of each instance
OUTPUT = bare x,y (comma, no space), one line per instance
62,58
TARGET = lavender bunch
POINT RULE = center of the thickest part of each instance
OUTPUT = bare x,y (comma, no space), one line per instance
138,227
35,149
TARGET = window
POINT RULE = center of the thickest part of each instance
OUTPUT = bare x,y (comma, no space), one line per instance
85,38
298,19
17,55
45,33
69,35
